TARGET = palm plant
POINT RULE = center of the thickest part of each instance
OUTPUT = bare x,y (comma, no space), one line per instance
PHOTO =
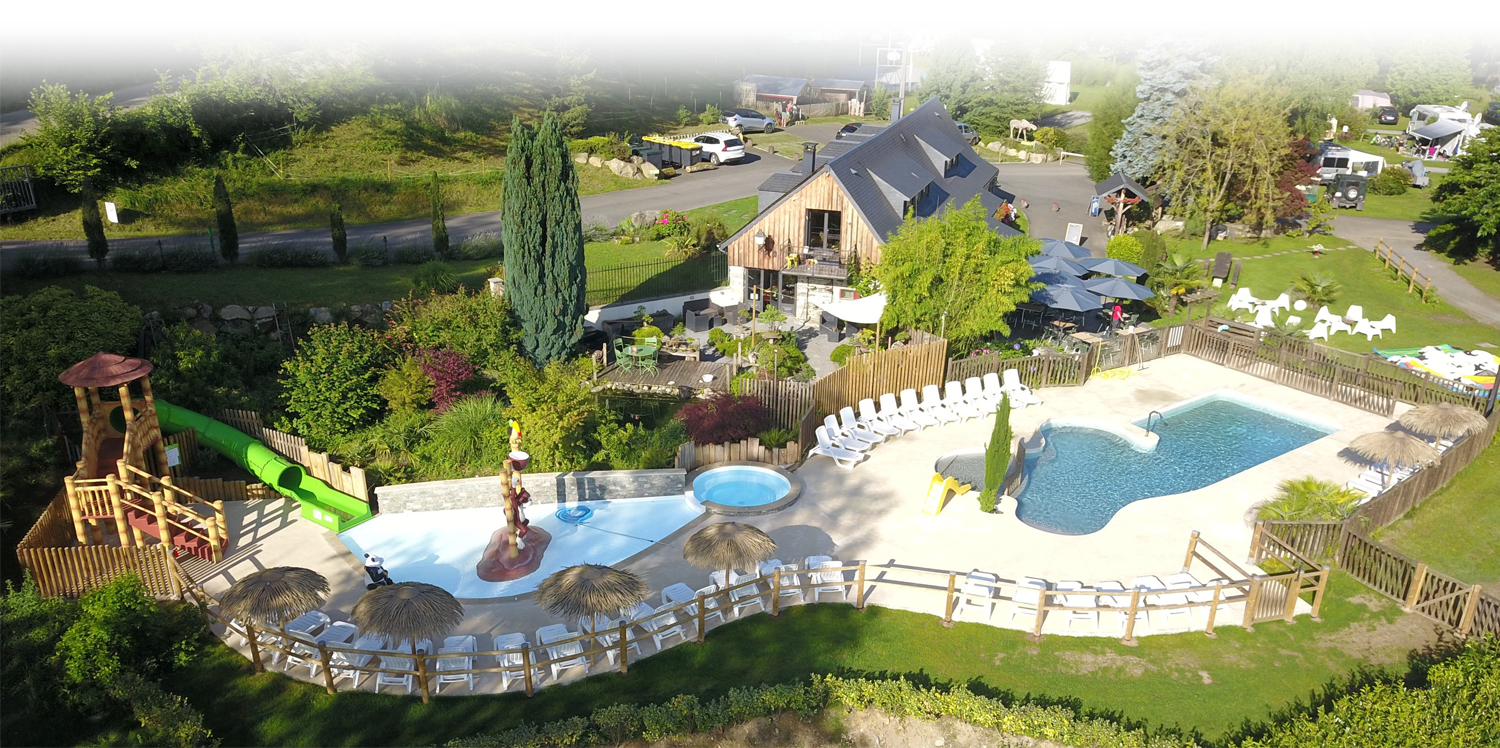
1176,276
1310,499
1319,290
1287,327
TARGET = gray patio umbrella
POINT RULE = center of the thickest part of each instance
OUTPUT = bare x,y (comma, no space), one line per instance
275,595
1118,288
1069,297
1060,248
408,611
726,545
1112,266
1056,263
1057,278
587,589
1443,420
1394,449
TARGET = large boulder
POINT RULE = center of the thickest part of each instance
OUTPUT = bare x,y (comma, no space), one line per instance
581,158
235,312
1037,158
596,162
644,218
995,146
321,315
624,168
188,312
265,312
202,325
648,170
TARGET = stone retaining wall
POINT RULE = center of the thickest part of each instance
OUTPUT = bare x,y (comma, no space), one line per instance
545,488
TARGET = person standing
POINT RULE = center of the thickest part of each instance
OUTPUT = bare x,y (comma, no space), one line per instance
1115,316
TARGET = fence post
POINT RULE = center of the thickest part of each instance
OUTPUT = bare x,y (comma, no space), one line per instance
1254,554
1293,594
254,649
1187,561
72,493
1467,622
1415,591
1213,611
1317,605
948,605
119,509
624,636
324,657
776,592
1041,614
702,617
859,594
1135,602
1250,601
526,671
422,677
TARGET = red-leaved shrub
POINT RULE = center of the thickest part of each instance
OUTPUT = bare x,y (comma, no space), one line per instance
726,418
450,372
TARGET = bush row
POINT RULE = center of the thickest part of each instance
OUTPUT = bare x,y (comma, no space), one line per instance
685,715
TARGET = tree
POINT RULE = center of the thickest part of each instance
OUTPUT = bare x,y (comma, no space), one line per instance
46,331
332,384
1011,84
556,409
72,141
1471,196
1314,65
1428,75
1175,277
229,234
340,236
1125,247
439,223
996,456
544,270
1225,143
192,371
952,272
569,101
1106,128
1167,78
93,226
951,74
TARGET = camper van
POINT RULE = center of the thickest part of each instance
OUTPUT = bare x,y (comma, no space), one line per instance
813,32
1442,130
1336,159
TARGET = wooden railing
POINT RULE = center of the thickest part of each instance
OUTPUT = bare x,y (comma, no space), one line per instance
350,480
1055,370
911,366
1415,280
1307,370
218,489
1396,501
72,571
171,505
693,456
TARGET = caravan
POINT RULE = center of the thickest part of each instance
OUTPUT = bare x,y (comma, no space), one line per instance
1442,131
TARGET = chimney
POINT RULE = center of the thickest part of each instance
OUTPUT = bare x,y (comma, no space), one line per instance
809,157
895,111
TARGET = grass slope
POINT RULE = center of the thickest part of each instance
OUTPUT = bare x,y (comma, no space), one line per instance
1186,681
1484,275
1457,529
1412,205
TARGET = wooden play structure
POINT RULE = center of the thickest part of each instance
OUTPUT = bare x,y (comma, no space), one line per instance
123,482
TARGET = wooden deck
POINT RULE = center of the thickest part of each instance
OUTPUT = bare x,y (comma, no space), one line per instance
672,374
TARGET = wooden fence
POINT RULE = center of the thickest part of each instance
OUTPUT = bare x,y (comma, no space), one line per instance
1307,370
1054,370
1396,501
187,450
72,571
350,480
911,366
1415,280
218,489
693,456
787,399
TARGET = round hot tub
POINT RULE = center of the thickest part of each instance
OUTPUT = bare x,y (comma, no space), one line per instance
744,487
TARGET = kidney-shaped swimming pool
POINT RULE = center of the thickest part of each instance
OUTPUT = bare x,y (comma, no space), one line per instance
1082,476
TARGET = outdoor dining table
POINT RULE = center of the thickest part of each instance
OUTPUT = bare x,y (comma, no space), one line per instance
642,356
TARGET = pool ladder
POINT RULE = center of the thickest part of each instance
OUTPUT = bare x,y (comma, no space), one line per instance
1156,413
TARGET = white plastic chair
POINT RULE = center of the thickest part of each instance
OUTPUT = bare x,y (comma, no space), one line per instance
790,582
1356,312
1300,305
567,655
1155,586
843,439
992,388
389,659
677,594
1280,302
711,604
871,420
338,632
1242,299
1319,330
974,391
662,626
1339,325
1119,602
912,409
1366,328
1388,322
454,658
1079,601
1185,580
746,596
343,662
891,413
1266,317
827,578
1026,598
954,400
932,404
510,659
850,424
304,652
978,592
1293,319
607,635
1019,392
844,458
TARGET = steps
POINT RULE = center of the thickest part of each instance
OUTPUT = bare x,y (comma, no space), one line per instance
181,541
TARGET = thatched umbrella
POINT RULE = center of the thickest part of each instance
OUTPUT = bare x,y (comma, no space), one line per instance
278,595
726,545
589,589
1444,421
1393,449
408,611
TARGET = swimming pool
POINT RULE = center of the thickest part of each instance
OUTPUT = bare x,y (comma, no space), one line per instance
1083,475
442,547
744,488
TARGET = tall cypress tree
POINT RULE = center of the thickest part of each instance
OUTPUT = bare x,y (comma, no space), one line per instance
229,235
1175,56
439,224
544,272
997,456
93,226
340,236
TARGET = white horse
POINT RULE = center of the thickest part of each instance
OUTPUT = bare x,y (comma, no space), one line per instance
1022,126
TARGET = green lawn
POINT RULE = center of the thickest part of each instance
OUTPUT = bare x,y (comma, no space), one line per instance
1365,282
1484,275
1187,681
1412,205
1392,156
1457,530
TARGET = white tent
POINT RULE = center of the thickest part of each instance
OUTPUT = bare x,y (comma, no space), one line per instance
862,311
1057,89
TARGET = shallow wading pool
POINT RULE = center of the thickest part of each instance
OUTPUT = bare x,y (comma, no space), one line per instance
744,488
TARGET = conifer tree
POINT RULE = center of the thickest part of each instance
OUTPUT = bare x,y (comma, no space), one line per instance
439,224
1175,56
997,456
229,235
340,236
93,227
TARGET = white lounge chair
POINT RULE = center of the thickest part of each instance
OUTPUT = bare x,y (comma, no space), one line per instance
1366,328
1280,302
1293,319
826,577
1026,598
304,652
974,391
454,658
746,596
344,662
978,592
844,458
677,594
871,420
1019,392
1300,305
510,646
954,401
1148,583
663,625
891,413
912,409
1356,312
1242,299
391,659
710,604
1265,317
1078,601
932,404
791,582
843,438
1119,602
567,655
1185,580
338,632
607,635
1319,330
850,424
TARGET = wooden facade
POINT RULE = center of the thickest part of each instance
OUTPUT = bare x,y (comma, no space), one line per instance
785,225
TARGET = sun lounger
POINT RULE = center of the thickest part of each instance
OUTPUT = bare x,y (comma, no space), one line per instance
663,625
1081,600
1280,302
568,655
844,458
845,439
1339,325
954,400
978,592
891,414
974,391
932,404
1026,598
913,410
1266,317
454,658
1356,312
791,582
850,425
343,661
677,594
606,634
711,607
868,420
505,643
1119,602
391,659
1242,299
1017,391
827,577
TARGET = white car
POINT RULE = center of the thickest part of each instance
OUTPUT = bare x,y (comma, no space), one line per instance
720,147
748,120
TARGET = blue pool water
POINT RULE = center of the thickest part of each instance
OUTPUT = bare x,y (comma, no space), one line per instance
442,547
740,486
1083,476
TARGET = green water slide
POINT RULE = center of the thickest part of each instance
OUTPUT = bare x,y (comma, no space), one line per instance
332,509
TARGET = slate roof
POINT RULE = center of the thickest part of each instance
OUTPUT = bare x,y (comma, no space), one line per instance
1118,181
776,85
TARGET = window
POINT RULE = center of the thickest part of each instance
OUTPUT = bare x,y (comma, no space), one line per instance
824,229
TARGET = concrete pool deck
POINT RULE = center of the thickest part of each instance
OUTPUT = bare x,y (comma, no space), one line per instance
872,513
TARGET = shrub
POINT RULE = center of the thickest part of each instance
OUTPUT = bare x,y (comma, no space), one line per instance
435,277
406,386
644,332
330,385
603,146
1125,247
477,325
725,418
684,115
841,353
776,438
47,265
596,231
1052,137
671,223
450,373
997,455
1153,248
556,410
369,256
413,254
631,446
482,246
48,330
1393,180
1312,500
710,115
291,257
473,436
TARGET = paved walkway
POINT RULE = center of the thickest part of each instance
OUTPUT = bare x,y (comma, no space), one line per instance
872,513
1404,236
1064,183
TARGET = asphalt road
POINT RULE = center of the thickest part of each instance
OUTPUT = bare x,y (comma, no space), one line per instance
1066,184
1404,236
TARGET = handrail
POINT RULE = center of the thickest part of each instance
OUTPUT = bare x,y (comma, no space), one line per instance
1156,413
